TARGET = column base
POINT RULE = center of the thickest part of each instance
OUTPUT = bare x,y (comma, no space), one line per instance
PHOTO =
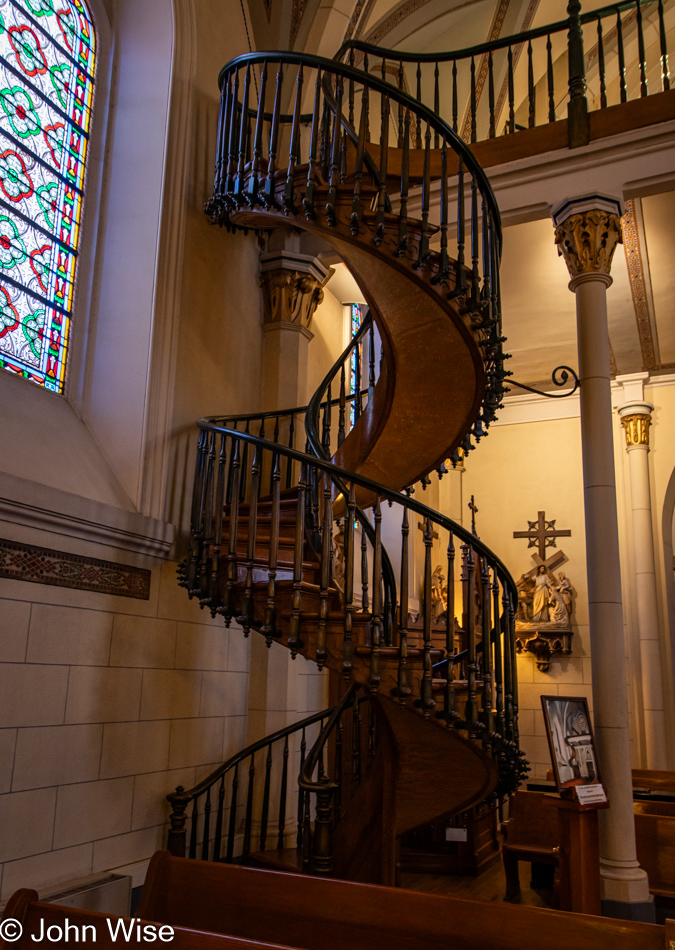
623,882
643,911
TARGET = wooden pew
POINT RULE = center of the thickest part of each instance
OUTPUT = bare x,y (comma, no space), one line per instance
530,834
655,840
91,929
321,914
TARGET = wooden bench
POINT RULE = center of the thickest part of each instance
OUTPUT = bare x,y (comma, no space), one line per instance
91,929
655,840
320,914
530,834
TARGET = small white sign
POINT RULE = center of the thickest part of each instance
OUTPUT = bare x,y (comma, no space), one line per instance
587,794
455,834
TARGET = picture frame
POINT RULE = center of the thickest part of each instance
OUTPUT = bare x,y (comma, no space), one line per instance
570,741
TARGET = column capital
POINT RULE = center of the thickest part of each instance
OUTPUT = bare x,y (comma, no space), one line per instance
587,230
636,422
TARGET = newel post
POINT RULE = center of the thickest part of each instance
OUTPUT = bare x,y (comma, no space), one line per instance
578,128
323,831
176,837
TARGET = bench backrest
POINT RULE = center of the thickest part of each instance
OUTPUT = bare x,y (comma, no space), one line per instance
533,820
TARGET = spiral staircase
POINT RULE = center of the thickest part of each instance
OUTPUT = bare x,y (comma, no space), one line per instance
287,540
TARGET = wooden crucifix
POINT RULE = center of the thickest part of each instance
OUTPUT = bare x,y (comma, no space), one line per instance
542,533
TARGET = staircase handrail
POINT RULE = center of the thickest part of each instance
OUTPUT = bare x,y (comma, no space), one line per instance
377,489
384,88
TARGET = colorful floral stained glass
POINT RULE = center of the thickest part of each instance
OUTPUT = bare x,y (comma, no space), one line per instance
355,326
47,68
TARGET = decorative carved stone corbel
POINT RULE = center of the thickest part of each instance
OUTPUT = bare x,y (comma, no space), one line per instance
290,297
588,240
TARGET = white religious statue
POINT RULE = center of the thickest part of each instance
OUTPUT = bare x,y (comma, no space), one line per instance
559,614
439,593
542,590
565,589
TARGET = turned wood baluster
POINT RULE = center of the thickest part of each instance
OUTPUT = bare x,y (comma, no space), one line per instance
426,699
218,534
207,821
454,95
326,559
254,183
473,102
176,838
512,111
508,668
357,207
357,382
371,361
323,832
384,157
243,475
449,697
301,794
364,572
233,530
549,74
282,799
376,625
333,179
486,293
294,149
531,93
194,822
247,619
491,98
232,826
351,90
487,656
235,116
217,838
325,431
337,770
460,281
423,251
243,131
623,95
269,627
512,647
347,645
221,137
207,524
665,72
342,404
356,738
365,69
403,689
289,460
443,271
372,731
437,104
270,200
294,641
266,799
306,835
641,51
248,817
471,712
196,523
402,246
401,107
308,201
601,66
475,279
498,666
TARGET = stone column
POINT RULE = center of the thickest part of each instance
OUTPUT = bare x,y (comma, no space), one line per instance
587,232
635,415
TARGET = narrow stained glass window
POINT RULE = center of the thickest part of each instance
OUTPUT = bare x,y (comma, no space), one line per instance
355,363
47,66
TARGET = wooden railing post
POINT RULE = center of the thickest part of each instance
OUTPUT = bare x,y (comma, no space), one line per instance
176,837
323,831
578,127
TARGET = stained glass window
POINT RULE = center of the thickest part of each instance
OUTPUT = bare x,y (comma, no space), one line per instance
355,358
47,66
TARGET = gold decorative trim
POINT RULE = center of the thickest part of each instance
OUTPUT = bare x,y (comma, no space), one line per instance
290,296
587,241
636,427
494,34
638,286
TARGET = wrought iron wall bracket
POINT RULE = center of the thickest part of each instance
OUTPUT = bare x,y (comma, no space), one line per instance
559,377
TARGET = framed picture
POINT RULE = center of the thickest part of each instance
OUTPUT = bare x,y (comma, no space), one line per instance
570,740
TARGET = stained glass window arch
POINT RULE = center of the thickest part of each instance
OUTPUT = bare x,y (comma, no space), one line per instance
47,72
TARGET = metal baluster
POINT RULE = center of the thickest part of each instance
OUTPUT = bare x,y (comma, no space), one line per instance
531,93
471,713
248,818
641,51
347,646
308,200
403,690
253,185
326,557
426,699
343,403
294,641
293,155
512,113
364,573
473,100
498,667
418,128
193,829
282,798
266,799
491,97
454,95
402,246
357,207
384,157
270,200
335,159
219,820
243,131
269,627
207,821
232,827
665,72
549,74
376,625
437,104
301,798
601,66
423,251
233,531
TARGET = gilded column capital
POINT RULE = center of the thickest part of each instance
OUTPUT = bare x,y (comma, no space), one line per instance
636,426
587,241
290,296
